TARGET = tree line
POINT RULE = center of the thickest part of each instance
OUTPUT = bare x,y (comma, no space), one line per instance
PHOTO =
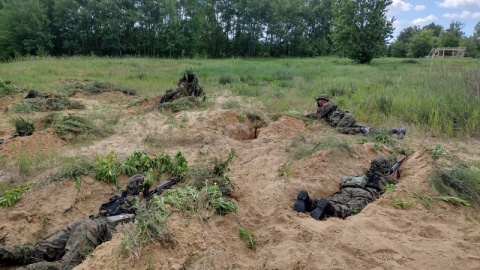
197,28
414,41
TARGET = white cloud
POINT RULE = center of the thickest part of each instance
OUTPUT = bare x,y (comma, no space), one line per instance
424,21
419,7
459,3
399,6
464,15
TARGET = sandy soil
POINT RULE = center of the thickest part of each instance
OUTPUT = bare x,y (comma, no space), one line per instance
379,237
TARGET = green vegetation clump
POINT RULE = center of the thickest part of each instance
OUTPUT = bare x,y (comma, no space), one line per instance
248,238
460,181
107,169
182,104
44,104
6,88
23,127
12,195
149,226
71,127
97,87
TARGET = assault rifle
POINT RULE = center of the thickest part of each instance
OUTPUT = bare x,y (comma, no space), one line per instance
160,188
116,219
396,166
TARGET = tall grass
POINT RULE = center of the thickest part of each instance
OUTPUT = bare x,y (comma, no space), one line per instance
437,95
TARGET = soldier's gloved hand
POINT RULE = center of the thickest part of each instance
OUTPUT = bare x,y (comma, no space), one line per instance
140,196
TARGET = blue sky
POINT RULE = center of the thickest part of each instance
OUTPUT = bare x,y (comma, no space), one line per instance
422,12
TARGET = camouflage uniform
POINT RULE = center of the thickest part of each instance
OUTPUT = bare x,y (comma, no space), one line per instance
349,200
68,247
343,121
187,87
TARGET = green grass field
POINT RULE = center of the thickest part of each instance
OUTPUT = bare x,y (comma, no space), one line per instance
437,96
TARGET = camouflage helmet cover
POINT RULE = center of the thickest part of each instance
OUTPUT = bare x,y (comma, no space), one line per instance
380,164
323,96
135,184
188,70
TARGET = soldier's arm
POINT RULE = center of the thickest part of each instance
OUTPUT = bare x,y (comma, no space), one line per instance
323,111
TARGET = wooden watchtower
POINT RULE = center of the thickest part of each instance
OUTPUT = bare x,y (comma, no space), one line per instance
451,52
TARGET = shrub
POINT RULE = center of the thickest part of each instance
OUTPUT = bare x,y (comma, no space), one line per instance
23,127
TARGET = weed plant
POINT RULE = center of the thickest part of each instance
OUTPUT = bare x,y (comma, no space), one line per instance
460,181
12,195
30,163
6,88
74,168
248,238
231,104
23,127
149,226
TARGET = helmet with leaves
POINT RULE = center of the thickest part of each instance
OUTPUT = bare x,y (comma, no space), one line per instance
135,184
380,164
188,70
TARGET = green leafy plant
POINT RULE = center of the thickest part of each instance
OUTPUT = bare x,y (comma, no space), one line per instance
437,152
216,200
106,169
401,204
248,238
12,195
390,188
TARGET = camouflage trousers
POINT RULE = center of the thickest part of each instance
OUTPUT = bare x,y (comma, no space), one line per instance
350,201
63,249
348,125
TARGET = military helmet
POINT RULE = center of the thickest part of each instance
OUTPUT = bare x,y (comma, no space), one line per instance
188,70
135,184
322,96
380,164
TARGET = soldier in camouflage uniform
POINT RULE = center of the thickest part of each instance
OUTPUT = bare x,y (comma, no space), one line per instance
68,247
187,86
356,192
343,121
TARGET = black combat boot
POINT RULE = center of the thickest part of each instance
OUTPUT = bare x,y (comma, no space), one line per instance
400,132
324,209
303,202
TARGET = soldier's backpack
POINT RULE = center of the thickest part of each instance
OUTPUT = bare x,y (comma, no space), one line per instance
359,181
335,117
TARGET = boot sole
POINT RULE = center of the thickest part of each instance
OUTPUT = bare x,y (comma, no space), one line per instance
319,212
300,204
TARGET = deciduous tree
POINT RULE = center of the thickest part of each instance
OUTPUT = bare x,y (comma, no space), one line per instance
361,28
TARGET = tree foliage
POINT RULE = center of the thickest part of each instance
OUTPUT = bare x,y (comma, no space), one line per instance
206,28
361,28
